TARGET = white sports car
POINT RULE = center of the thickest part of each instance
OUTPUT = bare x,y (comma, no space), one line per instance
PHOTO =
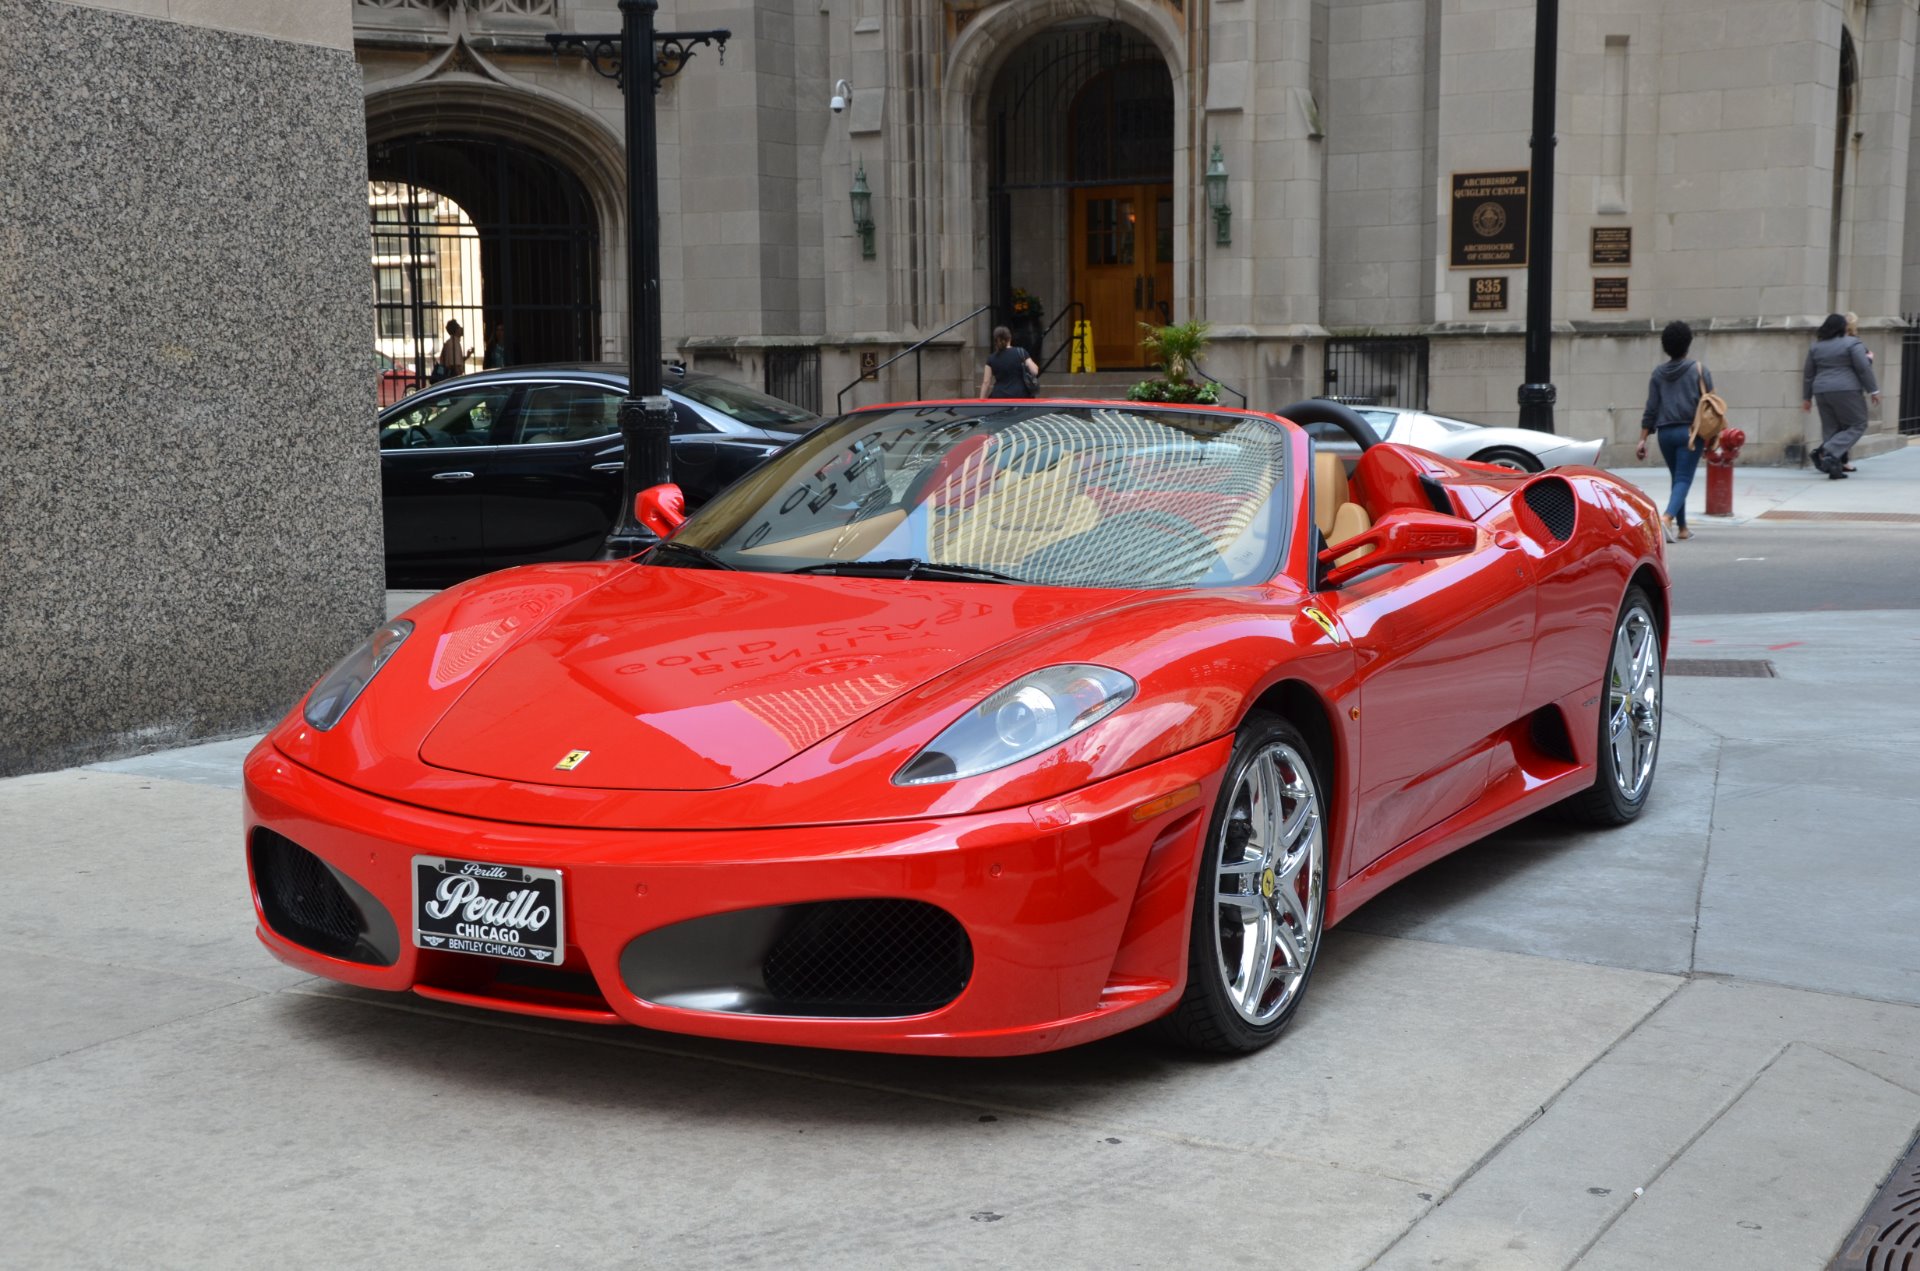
1521,449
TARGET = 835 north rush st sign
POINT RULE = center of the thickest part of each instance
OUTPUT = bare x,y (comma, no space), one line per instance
1489,220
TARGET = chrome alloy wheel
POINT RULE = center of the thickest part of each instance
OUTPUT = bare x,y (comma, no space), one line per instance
1271,890
1633,701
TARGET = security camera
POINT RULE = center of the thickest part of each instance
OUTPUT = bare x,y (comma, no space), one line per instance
841,91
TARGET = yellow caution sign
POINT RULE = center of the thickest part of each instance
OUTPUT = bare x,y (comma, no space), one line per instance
1080,360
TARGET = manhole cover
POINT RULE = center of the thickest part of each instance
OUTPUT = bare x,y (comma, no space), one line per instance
1888,1237
1724,668
1897,518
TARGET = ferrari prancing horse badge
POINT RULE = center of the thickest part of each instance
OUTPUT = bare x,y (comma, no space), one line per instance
571,760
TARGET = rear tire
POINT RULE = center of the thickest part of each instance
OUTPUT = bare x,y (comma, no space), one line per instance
1509,457
1260,905
1629,720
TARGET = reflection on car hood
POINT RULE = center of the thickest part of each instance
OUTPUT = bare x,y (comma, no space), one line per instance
682,679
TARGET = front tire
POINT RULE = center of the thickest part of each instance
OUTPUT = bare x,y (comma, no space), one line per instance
1259,910
1629,722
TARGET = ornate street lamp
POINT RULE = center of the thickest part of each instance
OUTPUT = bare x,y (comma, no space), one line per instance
863,211
1217,197
646,417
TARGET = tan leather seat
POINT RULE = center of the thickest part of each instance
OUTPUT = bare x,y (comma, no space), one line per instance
1351,519
1329,490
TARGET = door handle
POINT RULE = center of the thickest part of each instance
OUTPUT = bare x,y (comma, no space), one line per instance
1137,280
1505,540
452,476
615,466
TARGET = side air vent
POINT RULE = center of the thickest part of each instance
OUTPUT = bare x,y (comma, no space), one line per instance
1552,501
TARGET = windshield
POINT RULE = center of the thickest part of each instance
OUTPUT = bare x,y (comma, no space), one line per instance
746,405
1076,496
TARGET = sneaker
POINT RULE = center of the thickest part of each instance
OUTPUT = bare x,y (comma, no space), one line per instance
1685,533
1667,530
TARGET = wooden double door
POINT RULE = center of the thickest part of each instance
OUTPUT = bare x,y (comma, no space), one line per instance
1122,251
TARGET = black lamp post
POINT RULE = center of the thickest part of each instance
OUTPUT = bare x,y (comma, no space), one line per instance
1537,394
646,417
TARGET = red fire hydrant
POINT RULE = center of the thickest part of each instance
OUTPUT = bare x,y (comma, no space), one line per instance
1720,457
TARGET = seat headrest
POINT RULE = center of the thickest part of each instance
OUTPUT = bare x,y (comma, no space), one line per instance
1329,490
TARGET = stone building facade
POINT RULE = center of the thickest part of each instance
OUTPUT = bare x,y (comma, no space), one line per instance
1751,157
189,485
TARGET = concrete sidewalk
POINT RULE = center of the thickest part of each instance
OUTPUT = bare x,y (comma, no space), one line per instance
1885,487
1694,1042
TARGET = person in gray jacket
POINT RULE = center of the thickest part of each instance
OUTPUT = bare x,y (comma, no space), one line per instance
1839,369
1673,394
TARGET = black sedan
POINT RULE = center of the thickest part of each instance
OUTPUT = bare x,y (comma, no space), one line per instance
515,466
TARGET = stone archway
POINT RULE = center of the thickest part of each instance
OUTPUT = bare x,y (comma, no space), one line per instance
476,106
984,48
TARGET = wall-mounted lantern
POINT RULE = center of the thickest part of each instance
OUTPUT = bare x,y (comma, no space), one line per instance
863,211
1217,197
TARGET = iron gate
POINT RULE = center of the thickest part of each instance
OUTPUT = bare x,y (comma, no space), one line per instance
1910,376
794,375
1377,371
485,233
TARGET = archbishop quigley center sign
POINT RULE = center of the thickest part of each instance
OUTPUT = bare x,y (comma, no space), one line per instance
1489,220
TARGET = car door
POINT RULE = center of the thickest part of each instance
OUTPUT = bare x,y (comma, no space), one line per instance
1444,648
554,489
436,451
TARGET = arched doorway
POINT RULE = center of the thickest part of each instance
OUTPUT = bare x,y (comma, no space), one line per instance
489,233
1081,185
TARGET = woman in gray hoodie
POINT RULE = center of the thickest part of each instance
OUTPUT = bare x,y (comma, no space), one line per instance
1839,369
1673,394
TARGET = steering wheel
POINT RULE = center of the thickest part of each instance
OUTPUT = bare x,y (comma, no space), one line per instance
1345,418
415,435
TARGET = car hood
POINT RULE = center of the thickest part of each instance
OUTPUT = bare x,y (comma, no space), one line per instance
688,679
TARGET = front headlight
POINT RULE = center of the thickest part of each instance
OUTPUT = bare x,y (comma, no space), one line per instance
1024,718
339,687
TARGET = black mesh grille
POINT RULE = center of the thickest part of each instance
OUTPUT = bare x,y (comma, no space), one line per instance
1552,502
869,954
305,903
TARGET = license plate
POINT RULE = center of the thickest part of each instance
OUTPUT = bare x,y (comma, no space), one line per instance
497,911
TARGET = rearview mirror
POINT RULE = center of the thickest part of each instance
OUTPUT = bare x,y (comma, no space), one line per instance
661,508
1404,534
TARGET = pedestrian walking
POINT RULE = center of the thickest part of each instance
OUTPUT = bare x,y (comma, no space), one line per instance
1673,395
453,354
1009,371
1838,376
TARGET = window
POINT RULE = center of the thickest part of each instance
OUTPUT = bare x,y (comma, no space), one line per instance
446,420
567,412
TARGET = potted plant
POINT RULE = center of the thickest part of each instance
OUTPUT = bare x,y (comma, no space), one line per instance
1174,348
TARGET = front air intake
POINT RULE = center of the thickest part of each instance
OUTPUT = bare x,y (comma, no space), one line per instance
306,901
851,959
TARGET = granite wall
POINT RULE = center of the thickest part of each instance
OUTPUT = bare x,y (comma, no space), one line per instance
189,486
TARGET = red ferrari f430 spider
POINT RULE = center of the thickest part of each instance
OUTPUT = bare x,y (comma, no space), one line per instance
978,727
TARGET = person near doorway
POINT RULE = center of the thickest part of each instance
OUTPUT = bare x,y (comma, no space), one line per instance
453,354
1839,376
1007,368
496,348
1673,395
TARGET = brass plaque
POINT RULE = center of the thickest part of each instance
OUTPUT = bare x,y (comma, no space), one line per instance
1487,295
1489,221
1612,245
1609,293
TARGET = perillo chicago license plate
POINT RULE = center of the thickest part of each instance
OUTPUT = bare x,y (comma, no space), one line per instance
498,911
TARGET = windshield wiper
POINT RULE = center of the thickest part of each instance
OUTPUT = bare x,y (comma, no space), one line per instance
906,567
700,554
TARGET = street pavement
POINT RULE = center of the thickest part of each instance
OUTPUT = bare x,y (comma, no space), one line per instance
1690,1043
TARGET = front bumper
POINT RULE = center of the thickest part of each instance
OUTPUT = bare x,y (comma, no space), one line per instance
1076,909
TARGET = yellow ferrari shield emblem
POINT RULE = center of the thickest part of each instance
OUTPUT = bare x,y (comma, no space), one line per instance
1267,884
1325,623
571,760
